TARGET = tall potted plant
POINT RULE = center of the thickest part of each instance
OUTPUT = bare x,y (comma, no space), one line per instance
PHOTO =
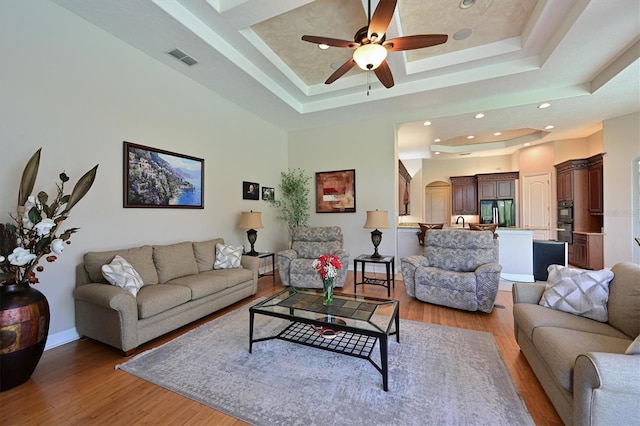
35,232
294,202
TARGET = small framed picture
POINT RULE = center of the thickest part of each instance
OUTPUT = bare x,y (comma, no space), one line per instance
268,194
250,191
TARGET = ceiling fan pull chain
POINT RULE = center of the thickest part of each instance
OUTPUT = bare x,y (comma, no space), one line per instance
368,82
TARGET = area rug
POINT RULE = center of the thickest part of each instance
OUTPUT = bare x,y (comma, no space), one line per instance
437,375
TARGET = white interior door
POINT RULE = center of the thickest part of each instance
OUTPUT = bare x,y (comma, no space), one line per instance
437,204
536,190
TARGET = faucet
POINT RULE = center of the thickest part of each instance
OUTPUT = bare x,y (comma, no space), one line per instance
458,220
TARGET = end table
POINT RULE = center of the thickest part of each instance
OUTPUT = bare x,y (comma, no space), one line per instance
272,274
387,261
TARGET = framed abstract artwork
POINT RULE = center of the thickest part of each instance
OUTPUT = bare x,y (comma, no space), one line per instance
158,178
336,191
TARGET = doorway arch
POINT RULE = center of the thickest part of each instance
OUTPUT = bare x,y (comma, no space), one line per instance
437,202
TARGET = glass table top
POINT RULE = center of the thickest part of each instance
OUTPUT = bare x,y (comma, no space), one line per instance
358,312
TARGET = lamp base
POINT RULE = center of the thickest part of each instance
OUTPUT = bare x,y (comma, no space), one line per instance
376,238
252,235
252,252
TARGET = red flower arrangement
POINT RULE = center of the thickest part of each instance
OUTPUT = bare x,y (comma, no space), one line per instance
328,265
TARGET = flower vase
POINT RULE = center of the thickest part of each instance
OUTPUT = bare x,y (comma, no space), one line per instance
327,291
24,327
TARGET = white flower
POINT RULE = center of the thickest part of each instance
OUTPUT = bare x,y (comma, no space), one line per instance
21,257
57,246
44,226
1,259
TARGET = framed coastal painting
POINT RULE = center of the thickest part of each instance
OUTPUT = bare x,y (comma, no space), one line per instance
158,178
336,191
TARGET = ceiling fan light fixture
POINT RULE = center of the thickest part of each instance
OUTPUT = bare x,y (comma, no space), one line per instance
370,56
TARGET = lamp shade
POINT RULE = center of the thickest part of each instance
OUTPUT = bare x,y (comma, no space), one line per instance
377,220
250,220
370,56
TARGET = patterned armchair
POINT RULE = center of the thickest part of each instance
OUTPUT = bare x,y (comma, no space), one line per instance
295,264
459,269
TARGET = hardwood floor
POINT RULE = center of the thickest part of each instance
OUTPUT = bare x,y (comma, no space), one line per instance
77,383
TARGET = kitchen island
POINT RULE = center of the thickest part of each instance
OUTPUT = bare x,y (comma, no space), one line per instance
515,253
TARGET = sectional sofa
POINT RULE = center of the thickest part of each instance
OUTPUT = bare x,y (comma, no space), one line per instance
181,285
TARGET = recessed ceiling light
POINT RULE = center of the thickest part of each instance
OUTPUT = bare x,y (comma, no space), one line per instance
470,137
323,46
479,115
526,144
462,34
549,127
437,140
497,133
427,123
437,153
544,105
465,4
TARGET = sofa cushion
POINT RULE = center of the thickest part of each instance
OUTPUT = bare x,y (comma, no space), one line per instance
174,260
560,347
213,281
460,250
205,253
624,298
227,257
141,258
154,299
529,316
578,292
121,274
313,249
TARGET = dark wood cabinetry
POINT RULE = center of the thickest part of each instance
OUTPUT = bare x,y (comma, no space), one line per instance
587,251
596,205
496,186
463,195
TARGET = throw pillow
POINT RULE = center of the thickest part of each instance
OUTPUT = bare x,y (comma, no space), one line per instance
634,347
227,256
120,273
578,292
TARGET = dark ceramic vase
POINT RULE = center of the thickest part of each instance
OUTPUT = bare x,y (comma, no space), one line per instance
24,326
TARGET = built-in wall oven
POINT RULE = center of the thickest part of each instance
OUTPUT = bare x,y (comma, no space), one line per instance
565,221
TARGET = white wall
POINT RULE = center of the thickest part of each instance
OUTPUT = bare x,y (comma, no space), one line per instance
79,93
622,146
369,148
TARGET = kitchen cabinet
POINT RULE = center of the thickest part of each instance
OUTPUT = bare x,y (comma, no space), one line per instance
464,195
587,251
572,178
497,186
596,206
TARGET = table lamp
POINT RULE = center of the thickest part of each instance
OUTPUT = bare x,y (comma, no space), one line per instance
251,221
376,219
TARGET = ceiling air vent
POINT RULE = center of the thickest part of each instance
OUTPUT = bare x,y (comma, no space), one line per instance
182,57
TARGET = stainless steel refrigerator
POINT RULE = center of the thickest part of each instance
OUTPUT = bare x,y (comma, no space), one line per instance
502,212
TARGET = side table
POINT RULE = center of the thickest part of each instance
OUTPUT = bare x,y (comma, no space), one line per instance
272,274
387,261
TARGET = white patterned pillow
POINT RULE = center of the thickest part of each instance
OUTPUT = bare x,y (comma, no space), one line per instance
227,257
120,273
578,291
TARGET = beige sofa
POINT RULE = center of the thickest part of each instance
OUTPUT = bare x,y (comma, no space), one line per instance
581,363
180,286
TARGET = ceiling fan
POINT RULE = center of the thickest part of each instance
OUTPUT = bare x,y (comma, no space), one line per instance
371,46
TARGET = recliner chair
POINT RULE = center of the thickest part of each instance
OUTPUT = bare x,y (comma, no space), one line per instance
295,265
459,269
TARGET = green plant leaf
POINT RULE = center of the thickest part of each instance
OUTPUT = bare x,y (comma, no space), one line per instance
34,215
82,187
29,178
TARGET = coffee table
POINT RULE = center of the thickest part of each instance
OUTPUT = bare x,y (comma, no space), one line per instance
351,326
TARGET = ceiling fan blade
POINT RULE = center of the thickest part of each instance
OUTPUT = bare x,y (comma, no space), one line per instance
341,71
383,72
415,42
331,41
381,19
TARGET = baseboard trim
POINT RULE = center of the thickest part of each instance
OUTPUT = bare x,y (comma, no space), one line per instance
521,278
61,338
